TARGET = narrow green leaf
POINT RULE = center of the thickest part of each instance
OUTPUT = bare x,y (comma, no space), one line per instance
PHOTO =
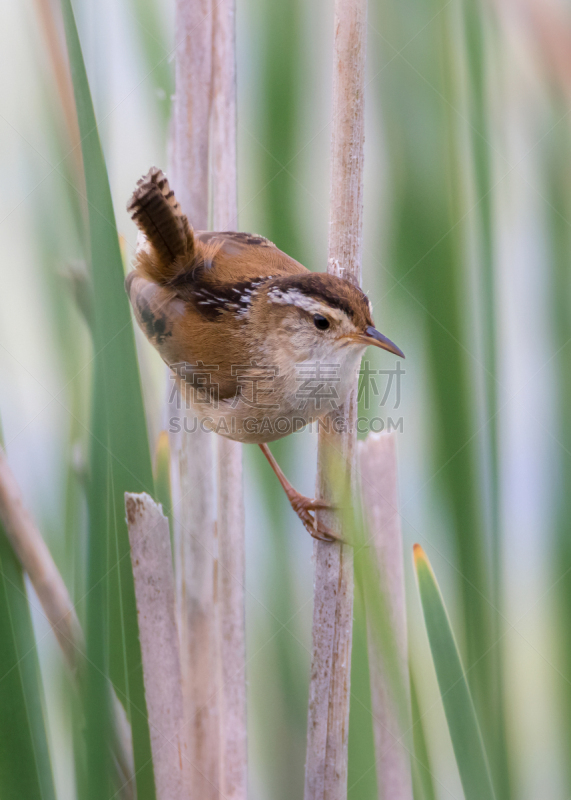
421,772
120,458
558,162
25,769
362,774
475,28
458,706
99,779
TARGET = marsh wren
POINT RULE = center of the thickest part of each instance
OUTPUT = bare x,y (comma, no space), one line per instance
245,328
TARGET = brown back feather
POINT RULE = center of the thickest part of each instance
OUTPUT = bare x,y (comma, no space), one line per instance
157,213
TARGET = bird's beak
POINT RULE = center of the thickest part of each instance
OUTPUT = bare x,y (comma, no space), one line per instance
372,336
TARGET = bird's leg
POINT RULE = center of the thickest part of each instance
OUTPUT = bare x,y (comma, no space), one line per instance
303,506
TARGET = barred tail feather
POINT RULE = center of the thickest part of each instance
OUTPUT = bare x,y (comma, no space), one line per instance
157,213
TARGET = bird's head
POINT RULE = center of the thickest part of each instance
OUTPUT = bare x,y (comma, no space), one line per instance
320,317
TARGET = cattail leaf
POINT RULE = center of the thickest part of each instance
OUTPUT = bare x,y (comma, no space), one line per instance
120,457
458,706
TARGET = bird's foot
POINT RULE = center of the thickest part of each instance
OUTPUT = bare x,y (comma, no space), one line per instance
303,507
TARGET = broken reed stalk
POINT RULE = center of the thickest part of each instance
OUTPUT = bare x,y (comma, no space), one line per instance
192,470
153,575
36,560
379,490
328,715
230,521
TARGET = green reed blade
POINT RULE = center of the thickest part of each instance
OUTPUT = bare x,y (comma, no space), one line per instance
558,216
25,768
120,458
362,774
458,706
421,769
481,145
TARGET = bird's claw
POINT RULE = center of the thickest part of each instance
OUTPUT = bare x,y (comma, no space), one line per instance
320,505
303,506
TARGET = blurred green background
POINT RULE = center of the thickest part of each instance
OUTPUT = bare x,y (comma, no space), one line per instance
467,260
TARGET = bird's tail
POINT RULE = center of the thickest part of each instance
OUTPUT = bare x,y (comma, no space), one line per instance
157,213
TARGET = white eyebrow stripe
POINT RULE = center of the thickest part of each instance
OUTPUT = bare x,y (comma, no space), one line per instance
293,297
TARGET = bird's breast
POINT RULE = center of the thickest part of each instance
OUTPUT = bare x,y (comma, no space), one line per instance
269,403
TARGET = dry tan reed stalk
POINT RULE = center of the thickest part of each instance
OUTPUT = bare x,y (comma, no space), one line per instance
50,23
195,570
36,560
223,131
230,523
192,107
328,716
378,462
548,26
153,575
192,472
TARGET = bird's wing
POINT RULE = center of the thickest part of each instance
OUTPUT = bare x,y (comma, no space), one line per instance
238,257
183,338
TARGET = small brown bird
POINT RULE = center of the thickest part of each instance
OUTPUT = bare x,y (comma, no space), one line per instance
260,345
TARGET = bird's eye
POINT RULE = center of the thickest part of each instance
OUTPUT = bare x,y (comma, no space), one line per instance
320,322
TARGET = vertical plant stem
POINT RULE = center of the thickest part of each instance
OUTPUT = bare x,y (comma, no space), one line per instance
223,132
230,524
328,716
231,599
192,453
378,465
151,558
192,108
